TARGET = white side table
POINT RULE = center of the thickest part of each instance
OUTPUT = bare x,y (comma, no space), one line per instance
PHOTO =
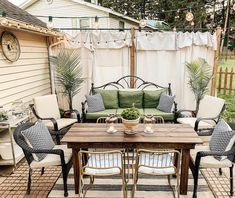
9,124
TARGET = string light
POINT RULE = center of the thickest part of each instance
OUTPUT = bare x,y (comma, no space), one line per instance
189,16
174,29
234,6
192,23
142,23
50,24
3,19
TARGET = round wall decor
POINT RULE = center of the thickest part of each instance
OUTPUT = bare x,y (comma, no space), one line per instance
10,46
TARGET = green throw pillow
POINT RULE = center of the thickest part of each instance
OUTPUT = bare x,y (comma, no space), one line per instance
128,98
152,97
110,98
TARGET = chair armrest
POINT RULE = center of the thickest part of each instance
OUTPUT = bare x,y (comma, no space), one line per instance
193,112
201,119
213,153
84,111
75,111
205,132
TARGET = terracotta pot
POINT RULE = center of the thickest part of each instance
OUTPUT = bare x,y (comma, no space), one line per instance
130,125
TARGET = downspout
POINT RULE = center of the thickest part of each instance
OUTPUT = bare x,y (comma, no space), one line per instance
52,74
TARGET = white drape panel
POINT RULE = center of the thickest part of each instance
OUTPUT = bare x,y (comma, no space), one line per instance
160,57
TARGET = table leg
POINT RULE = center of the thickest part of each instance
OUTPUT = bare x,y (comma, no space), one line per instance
12,148
76,170
184,171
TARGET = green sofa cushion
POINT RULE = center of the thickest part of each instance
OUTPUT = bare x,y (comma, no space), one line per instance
152,97
110,98
156,112
105,113
119,111
127,98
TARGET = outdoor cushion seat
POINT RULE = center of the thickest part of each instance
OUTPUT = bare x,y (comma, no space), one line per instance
119,111
191,121
102,162
151,161
62,123
156,112
104,113
52,159
209,161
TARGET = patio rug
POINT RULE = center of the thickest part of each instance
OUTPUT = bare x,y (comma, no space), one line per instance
148,187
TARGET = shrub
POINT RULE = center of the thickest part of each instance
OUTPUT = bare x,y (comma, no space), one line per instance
229,113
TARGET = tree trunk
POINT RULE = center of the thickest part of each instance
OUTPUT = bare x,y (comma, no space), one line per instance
197,106
70,102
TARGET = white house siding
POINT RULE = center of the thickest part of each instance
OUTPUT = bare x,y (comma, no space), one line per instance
69,8
29,76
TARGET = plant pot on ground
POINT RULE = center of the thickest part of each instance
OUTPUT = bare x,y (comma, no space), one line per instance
130,119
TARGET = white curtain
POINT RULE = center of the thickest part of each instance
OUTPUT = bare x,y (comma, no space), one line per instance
160,58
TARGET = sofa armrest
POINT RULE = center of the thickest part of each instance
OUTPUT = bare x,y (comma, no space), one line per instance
84,111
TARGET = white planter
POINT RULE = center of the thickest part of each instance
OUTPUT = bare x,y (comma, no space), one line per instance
130,125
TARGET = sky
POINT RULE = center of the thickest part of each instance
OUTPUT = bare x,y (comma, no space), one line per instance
16,2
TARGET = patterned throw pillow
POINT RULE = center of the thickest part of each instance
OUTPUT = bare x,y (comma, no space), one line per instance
38,137
166,102
95,103
222,139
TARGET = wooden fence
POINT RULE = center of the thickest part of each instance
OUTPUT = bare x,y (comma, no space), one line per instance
226,83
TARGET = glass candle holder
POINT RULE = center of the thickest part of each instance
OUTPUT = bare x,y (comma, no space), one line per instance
110,124
149,122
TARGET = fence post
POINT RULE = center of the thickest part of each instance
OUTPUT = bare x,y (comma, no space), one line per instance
132,54
231,82
220,79
216,60
225,80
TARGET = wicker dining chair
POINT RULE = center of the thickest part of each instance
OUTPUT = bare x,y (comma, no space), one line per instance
102,164
157,163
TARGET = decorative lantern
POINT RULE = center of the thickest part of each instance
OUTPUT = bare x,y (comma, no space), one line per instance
18,108
110,124
149,122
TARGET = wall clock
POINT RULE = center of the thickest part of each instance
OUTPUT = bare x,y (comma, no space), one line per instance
10,46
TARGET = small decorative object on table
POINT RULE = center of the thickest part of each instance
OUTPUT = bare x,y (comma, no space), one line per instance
110,123
3,114
18,109
130,119
149,122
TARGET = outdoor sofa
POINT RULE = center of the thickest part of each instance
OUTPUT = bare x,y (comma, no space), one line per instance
118,95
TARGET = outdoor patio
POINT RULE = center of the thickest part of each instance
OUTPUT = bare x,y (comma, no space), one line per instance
102,101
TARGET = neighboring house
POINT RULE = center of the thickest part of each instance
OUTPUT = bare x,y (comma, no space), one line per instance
85,11
29,75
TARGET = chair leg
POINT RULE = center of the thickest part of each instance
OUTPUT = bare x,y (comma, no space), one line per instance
57,137
65,176
231,180
220,171
43,170
195,182
29,181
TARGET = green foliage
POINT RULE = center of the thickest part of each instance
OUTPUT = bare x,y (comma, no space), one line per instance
130,113
229,113
200,74
68,72
3,116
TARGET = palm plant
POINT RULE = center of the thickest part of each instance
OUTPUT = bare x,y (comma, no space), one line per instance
200,74
68,73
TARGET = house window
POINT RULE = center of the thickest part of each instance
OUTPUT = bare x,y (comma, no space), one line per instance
121,25
84,23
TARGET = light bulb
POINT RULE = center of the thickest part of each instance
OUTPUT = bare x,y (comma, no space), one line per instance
174,29
96,23
142,23
189,16
3,21
234,6
192,23
50,24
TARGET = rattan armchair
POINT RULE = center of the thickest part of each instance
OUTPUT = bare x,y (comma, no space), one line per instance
46,108
157,163
202,157
58,156
106,163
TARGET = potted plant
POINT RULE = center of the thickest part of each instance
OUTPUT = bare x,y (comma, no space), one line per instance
3,114
200,74
68,73
130,119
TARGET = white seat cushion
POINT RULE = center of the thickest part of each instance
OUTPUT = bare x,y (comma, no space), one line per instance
191,121
52,159
63,122
209,161
104,164
163,164
47,106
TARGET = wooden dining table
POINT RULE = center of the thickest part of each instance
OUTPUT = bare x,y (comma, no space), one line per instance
166,136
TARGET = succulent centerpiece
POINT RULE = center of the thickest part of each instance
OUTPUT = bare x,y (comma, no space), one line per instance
130,119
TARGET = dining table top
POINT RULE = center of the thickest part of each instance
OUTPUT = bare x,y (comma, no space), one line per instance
90,133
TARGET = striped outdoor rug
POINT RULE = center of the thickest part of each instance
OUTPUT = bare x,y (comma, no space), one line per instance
148,187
